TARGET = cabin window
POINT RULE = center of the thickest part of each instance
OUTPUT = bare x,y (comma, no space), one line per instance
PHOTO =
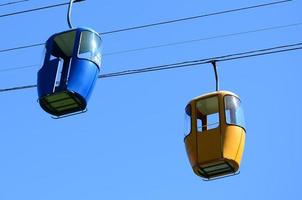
233,111
64,44
90,47
207,114
188,120
61,53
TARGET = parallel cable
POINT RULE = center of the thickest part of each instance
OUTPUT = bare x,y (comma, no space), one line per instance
173,43
164,45
202,39
17,68
11,3
21,47
18,88
35,9
235,56
154,24
254,53
194,17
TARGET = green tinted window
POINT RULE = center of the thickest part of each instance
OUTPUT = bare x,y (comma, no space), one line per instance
65,44
233,111
207,113
90,47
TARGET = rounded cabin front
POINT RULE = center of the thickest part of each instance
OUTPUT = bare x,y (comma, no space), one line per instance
216,134
70,70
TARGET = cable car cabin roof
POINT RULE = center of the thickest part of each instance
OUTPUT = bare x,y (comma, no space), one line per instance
221,93
81,29
66,44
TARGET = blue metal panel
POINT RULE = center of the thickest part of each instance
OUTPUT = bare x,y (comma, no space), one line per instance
82,77
47,77
78,77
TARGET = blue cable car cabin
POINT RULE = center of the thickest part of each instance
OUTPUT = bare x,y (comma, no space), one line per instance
71,67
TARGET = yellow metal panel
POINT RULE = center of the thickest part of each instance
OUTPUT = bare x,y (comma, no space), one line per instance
216,148
190,142
209,145
240,149
231,141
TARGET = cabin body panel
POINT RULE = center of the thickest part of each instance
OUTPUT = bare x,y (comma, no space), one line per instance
190,143
82,77
46,83
191,139
232,139
209,146
70,70
240,151
218,148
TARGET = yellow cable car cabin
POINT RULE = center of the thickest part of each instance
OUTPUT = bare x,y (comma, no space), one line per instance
216,134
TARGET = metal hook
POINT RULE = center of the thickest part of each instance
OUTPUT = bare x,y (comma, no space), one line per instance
216,74
69,12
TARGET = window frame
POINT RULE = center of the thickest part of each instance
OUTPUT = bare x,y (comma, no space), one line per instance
190,118
225,114
54,43
79,47
219,113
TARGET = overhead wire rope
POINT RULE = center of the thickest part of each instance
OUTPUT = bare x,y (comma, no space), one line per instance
21,47
172,44
235,56
13,2
204,39
195,17
149,25
272,50
18,68
36,9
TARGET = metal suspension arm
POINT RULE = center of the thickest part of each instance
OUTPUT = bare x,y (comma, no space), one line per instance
69,12
216,74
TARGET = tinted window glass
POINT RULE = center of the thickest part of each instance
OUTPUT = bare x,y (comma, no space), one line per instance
233,111
90,47
207,113
64,44
187,125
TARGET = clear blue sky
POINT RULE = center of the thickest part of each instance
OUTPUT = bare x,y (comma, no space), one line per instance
129,145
